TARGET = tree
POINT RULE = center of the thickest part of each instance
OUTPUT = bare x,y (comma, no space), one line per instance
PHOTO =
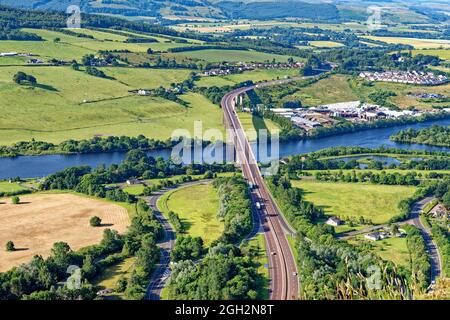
10,246
19,77
149,51
446,199
15,200
95,221
56,40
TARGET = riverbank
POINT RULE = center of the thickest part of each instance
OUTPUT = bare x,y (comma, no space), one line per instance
43,165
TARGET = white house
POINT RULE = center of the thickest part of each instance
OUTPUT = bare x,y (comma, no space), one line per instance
334,221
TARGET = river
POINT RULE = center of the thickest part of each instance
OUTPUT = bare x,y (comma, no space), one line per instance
40,166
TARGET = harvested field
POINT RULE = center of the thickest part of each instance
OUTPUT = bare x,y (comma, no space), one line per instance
43,219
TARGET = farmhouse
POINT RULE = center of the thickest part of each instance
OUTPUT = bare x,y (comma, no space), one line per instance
439,211
377,235
334,221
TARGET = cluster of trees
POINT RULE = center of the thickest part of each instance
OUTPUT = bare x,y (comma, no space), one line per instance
235,207
7,33
435,136
420,263
328,268
21,78
93,71
225,273
187,248
94,145
381,98
175,221
442,238
408,179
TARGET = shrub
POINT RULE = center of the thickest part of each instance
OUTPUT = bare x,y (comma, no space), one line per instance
10,246
15,200
95,221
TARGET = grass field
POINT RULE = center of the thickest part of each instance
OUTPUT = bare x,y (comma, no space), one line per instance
254,75
341,88
43,219
330,90
415,42
147,78
214,55
56,112
441,53
391,249
7,187
252,124
108,278
375,202
197,207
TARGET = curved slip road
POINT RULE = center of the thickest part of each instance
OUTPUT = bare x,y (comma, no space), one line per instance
162,272
414,219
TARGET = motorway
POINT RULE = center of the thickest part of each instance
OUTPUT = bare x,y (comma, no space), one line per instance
284,284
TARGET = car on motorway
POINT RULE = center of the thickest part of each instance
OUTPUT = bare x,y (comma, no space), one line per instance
258,205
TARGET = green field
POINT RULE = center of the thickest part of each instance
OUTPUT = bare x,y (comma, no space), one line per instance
215,55
341,88
375,202
441,53
108,278
391,249
252,124
147,78
7,187
56,109
254,75
197,207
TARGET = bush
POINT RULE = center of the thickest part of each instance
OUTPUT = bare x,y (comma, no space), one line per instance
10,246
15,200
95,221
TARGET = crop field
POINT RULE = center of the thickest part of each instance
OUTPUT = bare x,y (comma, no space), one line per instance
43,219
325,44
197,207
415,42
215,55
375,202
254,75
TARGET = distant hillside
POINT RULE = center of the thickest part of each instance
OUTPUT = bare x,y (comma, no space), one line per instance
194,8
272,10
318,10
